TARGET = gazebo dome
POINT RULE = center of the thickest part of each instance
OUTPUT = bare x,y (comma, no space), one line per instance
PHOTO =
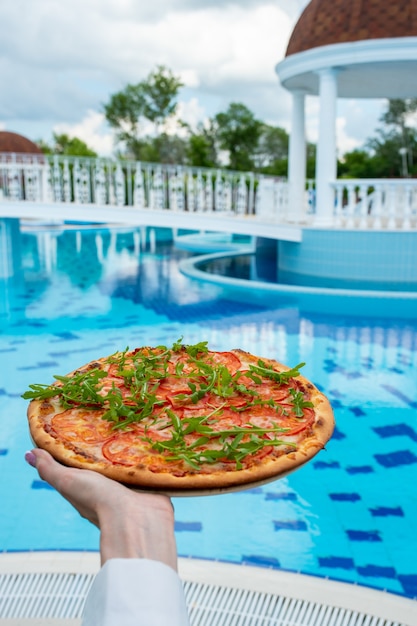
325,22
12,142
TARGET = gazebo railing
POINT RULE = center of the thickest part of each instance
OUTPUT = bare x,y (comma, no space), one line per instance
375,204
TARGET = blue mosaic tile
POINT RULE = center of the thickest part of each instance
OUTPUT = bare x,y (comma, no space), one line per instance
337,434
335,393
296,524
3,392
360,469
409,584
356,410
41,484
67,335
324,465
188,526
377,571
336,404
364,535
385,511
345,497
281,496
354,375
399,394
396,430
4,451
336,562
264,561
396,459
42,364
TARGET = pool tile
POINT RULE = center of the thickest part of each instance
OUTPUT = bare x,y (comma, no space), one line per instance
364,535
360,469
356,410
338,435
264,561
396,430
409,584
377,571
326,465
345,497
290,496
399,394
41,484
396,459
296,524
188,526
384,511
339,562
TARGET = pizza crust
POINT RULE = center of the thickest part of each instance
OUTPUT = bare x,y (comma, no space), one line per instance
193,483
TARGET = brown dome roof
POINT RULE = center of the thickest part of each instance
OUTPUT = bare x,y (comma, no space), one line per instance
12,142
326,22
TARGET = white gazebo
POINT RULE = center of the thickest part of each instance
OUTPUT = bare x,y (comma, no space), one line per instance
355,49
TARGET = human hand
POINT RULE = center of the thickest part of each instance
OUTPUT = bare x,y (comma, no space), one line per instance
132,524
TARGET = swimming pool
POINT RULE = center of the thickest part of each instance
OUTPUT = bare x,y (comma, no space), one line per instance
71,294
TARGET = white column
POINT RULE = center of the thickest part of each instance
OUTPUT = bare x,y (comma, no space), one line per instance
297,158
326,159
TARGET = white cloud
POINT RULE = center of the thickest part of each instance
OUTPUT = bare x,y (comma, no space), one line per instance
92,131
62,62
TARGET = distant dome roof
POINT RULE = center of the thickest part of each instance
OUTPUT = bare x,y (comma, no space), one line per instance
12,142
325,22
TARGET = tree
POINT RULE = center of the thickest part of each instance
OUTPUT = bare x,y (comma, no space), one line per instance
67,146
396,143
272,148
238,132
160,90
202,149
357,164
153,99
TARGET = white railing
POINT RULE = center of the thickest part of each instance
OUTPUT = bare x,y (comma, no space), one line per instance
361,204
56,179
376,204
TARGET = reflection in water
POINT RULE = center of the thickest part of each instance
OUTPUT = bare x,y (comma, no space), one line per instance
71,294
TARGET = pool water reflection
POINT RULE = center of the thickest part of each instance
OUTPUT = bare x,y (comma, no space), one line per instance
71,294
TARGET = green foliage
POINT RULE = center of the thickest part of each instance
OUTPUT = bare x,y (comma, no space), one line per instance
160,90
238,132
67,146
153,99
201,149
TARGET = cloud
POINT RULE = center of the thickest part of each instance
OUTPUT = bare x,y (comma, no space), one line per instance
92,130
61,62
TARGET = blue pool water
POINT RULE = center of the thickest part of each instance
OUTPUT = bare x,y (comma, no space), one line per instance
68,295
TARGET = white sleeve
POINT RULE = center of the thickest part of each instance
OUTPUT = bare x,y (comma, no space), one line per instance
135,592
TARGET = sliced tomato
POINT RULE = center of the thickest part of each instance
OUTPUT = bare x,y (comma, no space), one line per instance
85,425
128,448
228,359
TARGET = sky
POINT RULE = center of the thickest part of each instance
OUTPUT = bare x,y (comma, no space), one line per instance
61,60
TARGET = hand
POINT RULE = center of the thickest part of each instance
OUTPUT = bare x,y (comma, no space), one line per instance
132,524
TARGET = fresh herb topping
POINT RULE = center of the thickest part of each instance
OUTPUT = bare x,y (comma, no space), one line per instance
184,391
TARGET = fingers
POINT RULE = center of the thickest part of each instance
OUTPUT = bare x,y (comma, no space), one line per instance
48,468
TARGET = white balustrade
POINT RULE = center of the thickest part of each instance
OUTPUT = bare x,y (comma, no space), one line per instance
359,204
376,203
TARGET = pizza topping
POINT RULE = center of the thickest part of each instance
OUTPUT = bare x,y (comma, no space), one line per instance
191,406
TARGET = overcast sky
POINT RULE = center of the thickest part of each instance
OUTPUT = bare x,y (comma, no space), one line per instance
60,60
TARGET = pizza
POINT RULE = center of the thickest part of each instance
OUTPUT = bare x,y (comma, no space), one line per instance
182,419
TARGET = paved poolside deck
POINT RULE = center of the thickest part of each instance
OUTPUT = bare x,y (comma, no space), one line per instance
49,588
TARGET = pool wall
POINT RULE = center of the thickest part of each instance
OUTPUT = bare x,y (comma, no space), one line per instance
380,257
